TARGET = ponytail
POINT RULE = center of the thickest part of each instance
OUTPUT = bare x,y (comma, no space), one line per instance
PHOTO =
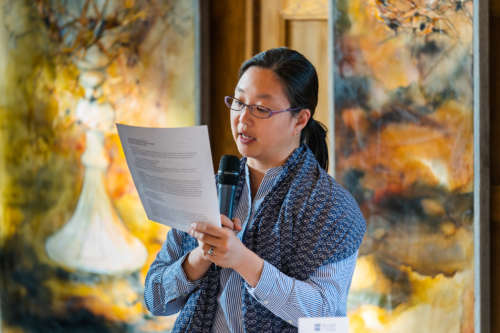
314,136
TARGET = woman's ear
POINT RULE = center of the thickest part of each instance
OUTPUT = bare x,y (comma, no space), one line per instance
302,119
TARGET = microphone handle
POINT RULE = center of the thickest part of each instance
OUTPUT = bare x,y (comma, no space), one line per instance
226,199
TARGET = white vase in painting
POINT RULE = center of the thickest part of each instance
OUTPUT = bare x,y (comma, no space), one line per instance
95,239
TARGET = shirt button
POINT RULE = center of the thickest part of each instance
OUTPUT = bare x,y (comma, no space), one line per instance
290,322
265,302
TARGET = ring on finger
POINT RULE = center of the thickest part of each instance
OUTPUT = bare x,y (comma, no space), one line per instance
211,251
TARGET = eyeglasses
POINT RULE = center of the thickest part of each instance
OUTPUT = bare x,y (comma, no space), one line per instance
257,111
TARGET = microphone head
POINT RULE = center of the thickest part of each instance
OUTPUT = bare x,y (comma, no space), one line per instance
229,170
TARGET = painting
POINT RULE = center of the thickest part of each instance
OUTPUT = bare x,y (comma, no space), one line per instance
75,244
406,145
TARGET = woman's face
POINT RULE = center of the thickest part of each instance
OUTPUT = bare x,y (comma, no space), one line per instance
265,142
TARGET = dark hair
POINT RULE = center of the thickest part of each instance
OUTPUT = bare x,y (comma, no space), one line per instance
300,81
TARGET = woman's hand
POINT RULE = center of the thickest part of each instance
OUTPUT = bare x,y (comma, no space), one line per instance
234,225
222,247
197,262
227,249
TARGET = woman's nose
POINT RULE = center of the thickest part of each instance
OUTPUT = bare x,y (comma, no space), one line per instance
245,115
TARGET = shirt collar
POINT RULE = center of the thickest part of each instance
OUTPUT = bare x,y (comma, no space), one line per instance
268,181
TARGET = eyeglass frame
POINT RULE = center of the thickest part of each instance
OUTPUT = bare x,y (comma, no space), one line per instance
253,106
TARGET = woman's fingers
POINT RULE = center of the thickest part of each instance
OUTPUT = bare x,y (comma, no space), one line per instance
216,250
226,222
207,239
209,234
234,224
237,224
207,228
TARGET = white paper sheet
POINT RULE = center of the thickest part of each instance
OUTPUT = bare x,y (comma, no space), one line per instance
173,173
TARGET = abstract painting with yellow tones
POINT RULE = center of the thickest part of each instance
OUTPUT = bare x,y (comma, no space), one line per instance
404,148
75,243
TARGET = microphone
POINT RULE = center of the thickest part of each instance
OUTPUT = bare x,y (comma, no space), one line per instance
228,174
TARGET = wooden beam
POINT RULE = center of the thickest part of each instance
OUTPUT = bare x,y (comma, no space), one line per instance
495,8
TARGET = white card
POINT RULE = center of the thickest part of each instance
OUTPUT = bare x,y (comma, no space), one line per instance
324,325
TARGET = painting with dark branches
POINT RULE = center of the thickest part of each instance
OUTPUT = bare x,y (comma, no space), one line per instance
404,147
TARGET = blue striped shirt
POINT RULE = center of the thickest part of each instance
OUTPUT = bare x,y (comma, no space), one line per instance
324,294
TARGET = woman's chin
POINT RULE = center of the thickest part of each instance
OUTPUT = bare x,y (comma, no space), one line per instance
246,152
243,151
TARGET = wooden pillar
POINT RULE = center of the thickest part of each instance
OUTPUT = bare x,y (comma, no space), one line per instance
227,51
495,162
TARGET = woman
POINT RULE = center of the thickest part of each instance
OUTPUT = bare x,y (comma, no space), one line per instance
294,253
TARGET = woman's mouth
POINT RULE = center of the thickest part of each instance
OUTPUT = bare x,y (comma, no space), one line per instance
245,139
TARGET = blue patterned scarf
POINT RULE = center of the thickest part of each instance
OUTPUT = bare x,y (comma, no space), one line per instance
306,221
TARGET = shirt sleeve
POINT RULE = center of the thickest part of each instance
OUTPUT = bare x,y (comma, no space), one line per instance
324,294
166,287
